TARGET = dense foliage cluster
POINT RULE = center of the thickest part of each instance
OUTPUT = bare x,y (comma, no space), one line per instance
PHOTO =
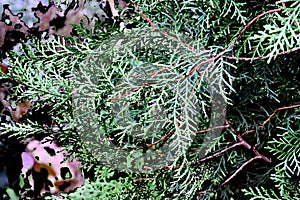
225,74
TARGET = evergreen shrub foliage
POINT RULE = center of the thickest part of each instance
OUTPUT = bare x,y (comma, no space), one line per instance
251,48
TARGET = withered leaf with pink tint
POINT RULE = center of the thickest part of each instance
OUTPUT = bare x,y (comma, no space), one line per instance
46,157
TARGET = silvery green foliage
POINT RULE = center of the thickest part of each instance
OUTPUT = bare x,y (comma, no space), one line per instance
280,34
50,70
51,77
286,148
121,69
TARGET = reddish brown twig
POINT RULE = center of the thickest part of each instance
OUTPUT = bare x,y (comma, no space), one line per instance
143,179
251,22
153,74
258,156
294,22
241,142
210,60
203,192
170,133
219,152
270,117
161,139
143,15
155,28
262,58
278,109
213,128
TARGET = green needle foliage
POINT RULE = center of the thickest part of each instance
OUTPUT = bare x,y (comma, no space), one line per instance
238,55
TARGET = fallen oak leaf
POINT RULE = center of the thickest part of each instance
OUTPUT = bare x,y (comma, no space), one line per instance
21,109
62,174
4,68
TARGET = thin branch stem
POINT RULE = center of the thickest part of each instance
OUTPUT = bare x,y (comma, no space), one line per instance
278,109
213,128
251,22
143,15
143,179
270,117
210,60
258,156
262,58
